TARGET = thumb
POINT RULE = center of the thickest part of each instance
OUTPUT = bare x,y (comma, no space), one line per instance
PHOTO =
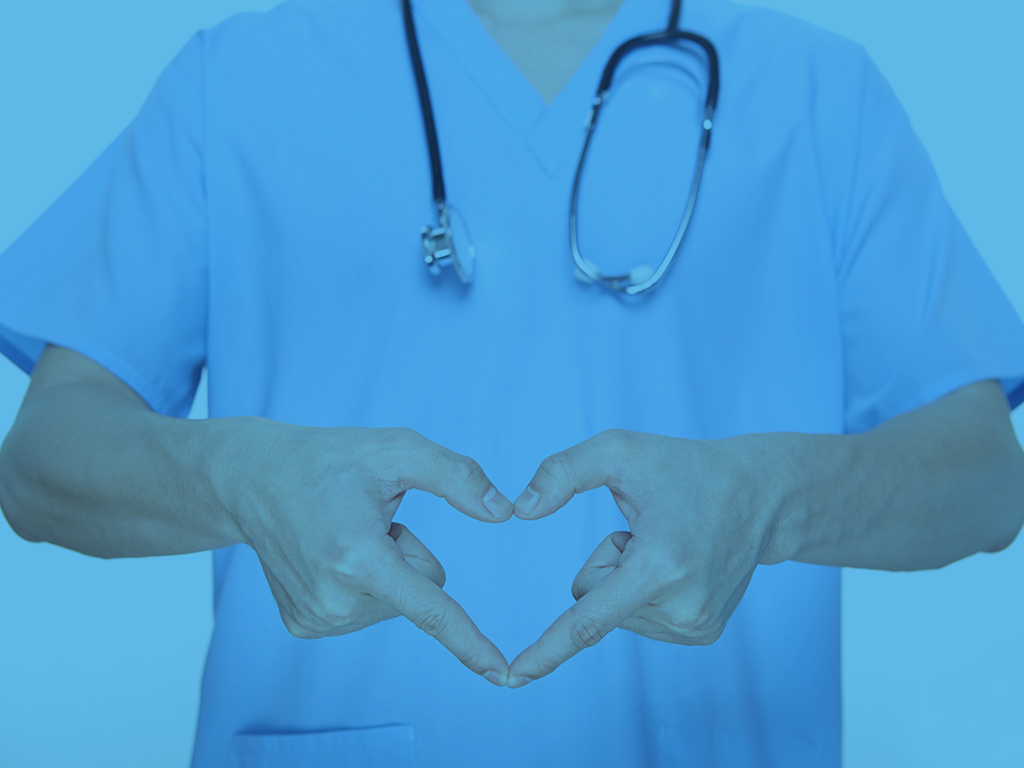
417,555
460,480
584,467
601,563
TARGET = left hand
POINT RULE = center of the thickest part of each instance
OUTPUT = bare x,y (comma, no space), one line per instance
700,515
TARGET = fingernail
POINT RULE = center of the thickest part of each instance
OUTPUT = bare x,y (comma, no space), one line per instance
495,677
518,681
527,502
496,504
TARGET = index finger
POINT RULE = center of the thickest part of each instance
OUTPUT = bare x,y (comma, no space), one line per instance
432,610
618,596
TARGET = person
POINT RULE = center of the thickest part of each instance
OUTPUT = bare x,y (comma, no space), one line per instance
822,379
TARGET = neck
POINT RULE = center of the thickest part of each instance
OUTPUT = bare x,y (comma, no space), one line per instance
532,12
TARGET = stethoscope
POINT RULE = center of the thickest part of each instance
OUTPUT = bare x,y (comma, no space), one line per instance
449,242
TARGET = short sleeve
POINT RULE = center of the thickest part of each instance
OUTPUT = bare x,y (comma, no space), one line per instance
116,268
921,313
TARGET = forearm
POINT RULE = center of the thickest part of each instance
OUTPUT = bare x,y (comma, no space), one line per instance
920,491
85,469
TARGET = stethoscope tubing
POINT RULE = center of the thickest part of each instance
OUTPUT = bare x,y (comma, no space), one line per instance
425,104
669,35
619,282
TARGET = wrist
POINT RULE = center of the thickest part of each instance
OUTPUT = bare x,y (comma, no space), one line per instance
232,454
805,476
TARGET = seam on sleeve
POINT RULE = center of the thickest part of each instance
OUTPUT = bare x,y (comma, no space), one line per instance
946,385
842,240
148,387
845,209
13,353
1015,396
204,143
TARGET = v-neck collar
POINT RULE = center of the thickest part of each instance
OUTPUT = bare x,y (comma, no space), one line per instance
549,131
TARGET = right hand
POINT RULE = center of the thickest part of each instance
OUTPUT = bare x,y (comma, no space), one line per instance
316,505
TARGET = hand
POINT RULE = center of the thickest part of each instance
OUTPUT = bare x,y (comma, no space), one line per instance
699,519
317,508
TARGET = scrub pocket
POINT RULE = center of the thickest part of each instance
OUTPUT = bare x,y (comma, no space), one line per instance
384,746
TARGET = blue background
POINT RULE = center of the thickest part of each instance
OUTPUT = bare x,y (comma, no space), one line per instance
100,660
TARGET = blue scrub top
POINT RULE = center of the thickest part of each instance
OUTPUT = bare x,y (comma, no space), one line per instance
261,217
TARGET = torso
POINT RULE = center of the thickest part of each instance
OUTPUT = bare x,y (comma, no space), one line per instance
319,312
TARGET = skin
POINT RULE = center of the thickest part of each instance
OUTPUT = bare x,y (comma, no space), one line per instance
922,490
547,40
540,12
335,568
90,467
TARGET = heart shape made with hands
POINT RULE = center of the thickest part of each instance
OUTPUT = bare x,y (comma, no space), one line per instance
701,514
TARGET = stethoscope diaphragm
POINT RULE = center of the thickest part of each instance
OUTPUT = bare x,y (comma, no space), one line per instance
449,243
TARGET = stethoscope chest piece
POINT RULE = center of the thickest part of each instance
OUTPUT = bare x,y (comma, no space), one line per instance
449,243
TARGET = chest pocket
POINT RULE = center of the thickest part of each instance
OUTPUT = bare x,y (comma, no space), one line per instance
386,746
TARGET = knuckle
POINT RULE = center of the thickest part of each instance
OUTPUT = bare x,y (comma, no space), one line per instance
691,635
388,464
336,613
335,610
352,566
709,636
558,467
314,605
433,621
340,616
614,438
617,445
347,629
669,577
462,471
389,445
401,437
297,630
704,619
690,622
668,570
586,632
